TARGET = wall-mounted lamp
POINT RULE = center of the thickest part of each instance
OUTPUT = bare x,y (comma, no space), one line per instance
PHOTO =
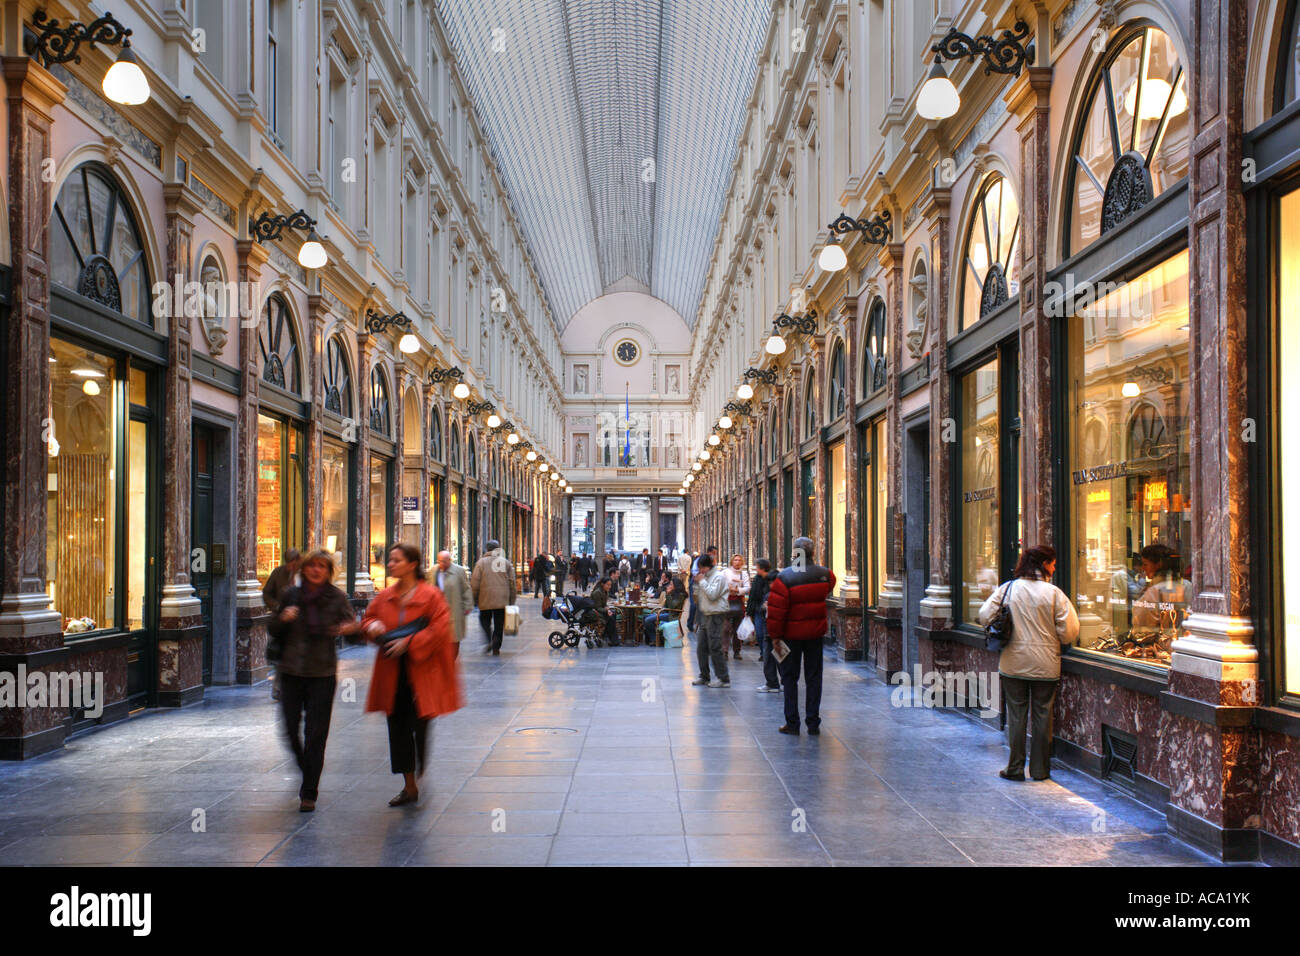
875,230
267,228
377,324
1006,54
798,325
124,82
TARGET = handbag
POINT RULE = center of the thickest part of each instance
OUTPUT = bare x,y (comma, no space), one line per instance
998,632
401,631
671,630
746,629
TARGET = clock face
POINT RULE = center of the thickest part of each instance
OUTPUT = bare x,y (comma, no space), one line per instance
626,352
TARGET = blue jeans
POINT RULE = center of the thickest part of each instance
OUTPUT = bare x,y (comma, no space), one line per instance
771,673
690,618
651,621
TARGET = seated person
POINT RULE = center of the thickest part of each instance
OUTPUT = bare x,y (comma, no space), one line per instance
674,599
600,611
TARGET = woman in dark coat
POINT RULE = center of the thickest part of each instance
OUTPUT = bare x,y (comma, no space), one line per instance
311,616
415,676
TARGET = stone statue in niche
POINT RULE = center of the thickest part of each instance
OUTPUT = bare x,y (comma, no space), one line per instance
920,310
672,380
580,379
674,454
216,310
580,451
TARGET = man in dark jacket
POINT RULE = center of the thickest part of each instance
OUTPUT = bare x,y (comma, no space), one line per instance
541,571
756,609
586,565
796,615
605,613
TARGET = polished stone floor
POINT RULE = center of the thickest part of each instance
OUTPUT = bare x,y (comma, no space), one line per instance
580,756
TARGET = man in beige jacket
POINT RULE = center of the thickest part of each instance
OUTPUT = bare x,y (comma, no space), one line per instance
493,584
454,584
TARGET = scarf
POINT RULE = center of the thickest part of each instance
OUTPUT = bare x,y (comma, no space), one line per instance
311,606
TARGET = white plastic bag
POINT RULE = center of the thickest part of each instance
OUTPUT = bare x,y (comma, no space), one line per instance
746,629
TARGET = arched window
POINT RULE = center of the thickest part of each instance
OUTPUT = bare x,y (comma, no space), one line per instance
435,434
279,344
1133,141
809,409
773,437
837,395
380,418
471,458
453,449
95,246
990,261
338,382
874,352
1288,78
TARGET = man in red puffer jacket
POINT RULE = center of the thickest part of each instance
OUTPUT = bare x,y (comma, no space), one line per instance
796,615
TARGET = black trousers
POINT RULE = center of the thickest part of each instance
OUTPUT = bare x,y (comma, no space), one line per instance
408,734
1019,694
494,626
315,697
809,654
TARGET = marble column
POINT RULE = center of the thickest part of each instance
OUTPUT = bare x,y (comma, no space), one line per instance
936,607
891,586
427,543
600,536
655,541
364,587
397,413
821,457
250,613
31,631
180,627
850,589
1214,668
1029,100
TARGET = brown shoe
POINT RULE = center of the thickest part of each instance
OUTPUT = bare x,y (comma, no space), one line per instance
404,797
306,806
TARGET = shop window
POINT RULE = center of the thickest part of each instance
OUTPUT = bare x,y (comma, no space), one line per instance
435,434
874,493
281,515
95,246
809,409
837,525
774,437
381,420
337,380
809,497
453,450
280,355
334,477
978,502
1131,507
835,390
875,353
1288,452
1135,135
789,423
471,458
380,536
991,258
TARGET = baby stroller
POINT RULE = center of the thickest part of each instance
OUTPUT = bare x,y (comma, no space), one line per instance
569,610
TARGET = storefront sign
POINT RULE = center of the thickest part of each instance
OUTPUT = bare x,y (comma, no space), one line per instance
410,509
1101,473
982,494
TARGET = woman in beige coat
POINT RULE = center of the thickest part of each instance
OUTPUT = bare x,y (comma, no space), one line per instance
1042,620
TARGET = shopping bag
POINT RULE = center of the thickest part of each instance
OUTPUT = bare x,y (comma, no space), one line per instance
746,629
672,632
512,619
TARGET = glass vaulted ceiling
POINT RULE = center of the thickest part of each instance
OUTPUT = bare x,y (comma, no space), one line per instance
614,123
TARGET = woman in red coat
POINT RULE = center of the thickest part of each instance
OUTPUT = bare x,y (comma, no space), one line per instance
415,676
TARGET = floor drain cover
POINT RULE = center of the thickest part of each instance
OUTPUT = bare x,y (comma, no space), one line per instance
543,731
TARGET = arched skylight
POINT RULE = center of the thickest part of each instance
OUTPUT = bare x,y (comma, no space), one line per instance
614,123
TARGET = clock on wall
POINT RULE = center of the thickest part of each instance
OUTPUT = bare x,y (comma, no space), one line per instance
627,352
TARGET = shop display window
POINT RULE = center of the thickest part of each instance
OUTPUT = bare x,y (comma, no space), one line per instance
281,501
380,499
1288,457
1129,480
334,476
978,495
836,531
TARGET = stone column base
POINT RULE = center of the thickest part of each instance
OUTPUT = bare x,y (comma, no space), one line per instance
885,642
251,617
847,620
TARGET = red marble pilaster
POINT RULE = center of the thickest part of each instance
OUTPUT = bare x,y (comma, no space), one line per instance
360,545
936,608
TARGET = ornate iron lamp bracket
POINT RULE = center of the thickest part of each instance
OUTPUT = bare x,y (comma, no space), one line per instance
1004,54
439,375
765,376
267,228
377,324
58,44
875,230
799,324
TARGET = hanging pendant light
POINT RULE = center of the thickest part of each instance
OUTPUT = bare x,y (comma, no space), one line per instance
938,98
125,81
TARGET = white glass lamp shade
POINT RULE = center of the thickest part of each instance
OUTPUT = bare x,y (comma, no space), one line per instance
409,344
555,476
696,466
531,456
745,392
832,258
705,455
724,422
312,254
494,420
938,98
461,391
715,440
569,490
543,467
775,345
125,82
512,439
1131,390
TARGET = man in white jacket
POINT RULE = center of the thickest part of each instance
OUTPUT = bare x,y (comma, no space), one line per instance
711,621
